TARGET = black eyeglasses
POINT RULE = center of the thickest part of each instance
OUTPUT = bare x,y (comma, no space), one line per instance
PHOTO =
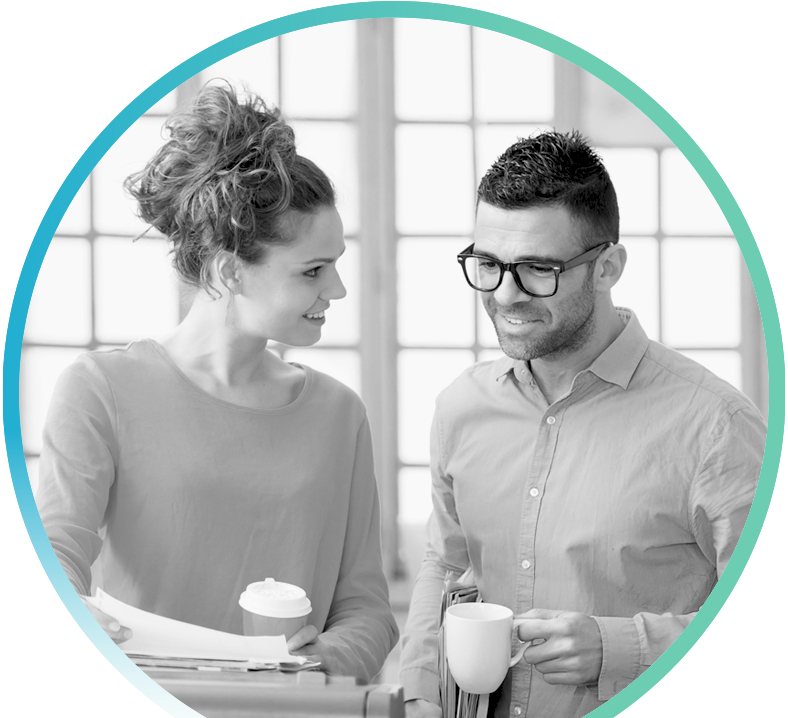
537,278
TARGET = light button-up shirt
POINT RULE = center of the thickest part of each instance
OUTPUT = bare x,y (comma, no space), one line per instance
622,500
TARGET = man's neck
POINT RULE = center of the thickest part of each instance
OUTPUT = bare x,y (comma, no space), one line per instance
555,373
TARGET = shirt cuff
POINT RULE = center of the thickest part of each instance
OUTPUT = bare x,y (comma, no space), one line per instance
620,654
420,683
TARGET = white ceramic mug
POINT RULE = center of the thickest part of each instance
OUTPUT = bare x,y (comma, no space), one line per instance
479,645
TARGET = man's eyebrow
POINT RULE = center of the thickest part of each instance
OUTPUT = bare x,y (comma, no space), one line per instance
522,258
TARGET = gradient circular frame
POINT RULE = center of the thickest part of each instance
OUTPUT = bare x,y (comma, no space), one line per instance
427,11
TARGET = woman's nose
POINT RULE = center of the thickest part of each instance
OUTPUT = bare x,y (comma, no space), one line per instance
335,289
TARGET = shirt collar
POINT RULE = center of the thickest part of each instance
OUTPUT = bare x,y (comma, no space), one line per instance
615,365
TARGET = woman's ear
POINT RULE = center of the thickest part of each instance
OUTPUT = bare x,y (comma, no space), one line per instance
613,261
225,267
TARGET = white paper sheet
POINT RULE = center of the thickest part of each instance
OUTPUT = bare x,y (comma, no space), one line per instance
159,636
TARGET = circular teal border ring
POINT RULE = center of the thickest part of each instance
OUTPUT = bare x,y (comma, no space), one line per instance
427,11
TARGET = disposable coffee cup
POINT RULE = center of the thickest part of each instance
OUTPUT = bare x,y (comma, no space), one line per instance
272,608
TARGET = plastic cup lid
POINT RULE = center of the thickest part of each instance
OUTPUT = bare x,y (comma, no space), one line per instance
275,599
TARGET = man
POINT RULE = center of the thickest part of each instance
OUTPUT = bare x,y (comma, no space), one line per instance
595,482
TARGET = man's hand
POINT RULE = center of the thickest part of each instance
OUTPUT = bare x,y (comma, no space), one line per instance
422,709
567,647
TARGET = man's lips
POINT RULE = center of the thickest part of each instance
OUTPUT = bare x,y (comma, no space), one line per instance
517,320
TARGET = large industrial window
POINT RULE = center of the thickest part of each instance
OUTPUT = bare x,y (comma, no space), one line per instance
405,131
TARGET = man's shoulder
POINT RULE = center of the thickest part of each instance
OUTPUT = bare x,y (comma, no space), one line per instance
477,378
666,369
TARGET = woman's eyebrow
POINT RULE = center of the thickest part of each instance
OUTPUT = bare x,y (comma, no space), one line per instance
324,260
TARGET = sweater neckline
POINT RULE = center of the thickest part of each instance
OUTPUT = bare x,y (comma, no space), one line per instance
161,352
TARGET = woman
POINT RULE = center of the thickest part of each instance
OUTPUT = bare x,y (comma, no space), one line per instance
194,465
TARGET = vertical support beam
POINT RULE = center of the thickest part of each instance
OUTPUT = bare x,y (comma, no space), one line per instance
755,373
378,243
568,88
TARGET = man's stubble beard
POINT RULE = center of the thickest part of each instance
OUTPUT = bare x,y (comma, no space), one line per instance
575,331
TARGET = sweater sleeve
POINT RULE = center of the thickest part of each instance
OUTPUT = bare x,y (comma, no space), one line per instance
77,468
360,630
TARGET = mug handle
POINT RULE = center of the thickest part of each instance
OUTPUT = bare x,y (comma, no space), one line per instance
517,656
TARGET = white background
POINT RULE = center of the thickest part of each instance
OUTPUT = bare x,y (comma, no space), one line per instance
69,68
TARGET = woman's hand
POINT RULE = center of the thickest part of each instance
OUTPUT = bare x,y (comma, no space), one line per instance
308,634
422,709
313,646
111,627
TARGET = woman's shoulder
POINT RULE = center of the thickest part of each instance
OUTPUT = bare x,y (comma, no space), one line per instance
105,367
326,388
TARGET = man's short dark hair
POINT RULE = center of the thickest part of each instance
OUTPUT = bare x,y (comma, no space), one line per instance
559,170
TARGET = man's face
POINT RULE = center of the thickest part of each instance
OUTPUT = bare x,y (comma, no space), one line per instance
530,327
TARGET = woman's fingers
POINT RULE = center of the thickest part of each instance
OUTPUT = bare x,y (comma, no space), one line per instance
111,627
308,634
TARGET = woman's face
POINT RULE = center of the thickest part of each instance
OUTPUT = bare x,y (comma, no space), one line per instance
284,298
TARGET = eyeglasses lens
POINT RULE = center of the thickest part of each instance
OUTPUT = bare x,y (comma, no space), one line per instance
485,275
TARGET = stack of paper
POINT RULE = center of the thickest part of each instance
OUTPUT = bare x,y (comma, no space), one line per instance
160,641
455,702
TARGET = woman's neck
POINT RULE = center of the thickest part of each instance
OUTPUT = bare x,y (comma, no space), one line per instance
208,343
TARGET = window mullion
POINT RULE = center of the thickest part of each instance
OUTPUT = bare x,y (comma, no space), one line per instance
378,245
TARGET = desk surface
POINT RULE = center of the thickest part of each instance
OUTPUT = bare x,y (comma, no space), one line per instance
270,694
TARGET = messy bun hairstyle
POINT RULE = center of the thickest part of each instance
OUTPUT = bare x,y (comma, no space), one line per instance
224,180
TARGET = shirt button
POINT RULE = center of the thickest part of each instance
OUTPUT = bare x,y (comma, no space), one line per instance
518,711
526,564
534,492
551,420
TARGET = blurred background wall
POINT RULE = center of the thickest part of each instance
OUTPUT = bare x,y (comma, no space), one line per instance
405,116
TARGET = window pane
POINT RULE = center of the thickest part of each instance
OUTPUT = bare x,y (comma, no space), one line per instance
343,365
60,305
491,355
638,288
318,71
432,71
76,219
435,303
725,364
435,188
333,147
423,374
634,175
165,105
493,140
342,319
136,289
32,473
688,206
256,67
114,212
486,329
38,373
415,495
513,80
701,292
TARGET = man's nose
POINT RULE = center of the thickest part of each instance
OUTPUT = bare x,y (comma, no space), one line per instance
509,293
